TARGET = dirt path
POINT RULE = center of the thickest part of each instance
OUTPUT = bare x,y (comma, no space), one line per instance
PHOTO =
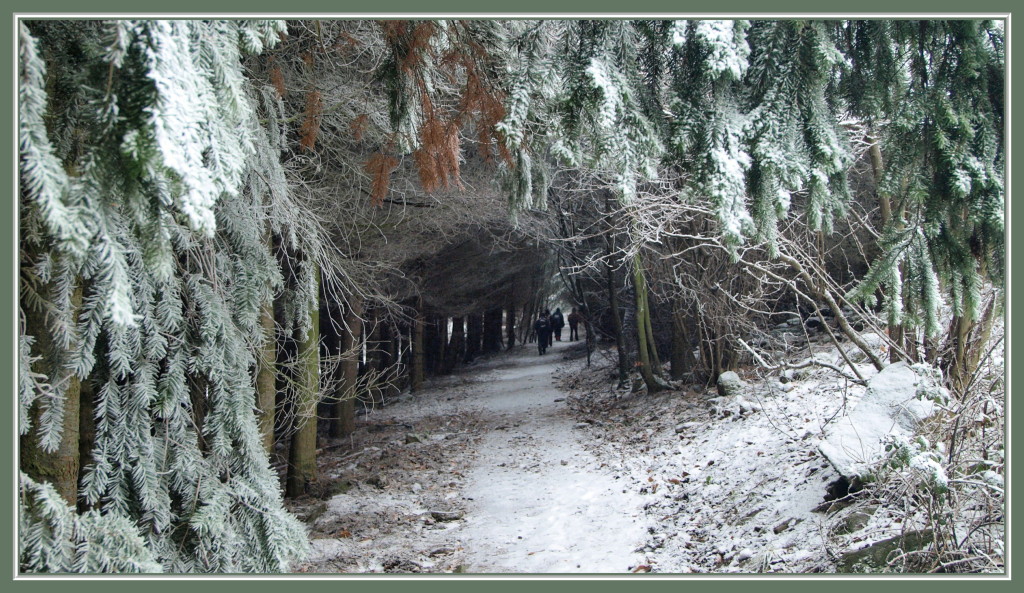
484,472
537,500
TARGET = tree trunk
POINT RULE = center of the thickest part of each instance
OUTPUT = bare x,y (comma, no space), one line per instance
456,345
442,345
86,433
645,344
967,341
374,370
620,338
510,325
897,332
526,333
651,341
474,335
343,420
682,353
418,358
492,330
59,467
266,375
302,470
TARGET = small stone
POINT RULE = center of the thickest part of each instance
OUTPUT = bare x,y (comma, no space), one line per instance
729,383
782,526
447,515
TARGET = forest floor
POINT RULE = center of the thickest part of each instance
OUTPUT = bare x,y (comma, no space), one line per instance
522,463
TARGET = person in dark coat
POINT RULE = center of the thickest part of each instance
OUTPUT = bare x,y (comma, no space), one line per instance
543,328
574,322
557,323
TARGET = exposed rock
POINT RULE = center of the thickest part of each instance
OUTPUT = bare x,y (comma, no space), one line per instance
729,383
447,515
782,526
853,444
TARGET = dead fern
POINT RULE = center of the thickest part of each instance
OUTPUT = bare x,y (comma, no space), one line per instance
380,166
277,78
311,121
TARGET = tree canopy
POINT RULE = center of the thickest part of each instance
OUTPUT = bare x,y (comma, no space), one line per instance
176,176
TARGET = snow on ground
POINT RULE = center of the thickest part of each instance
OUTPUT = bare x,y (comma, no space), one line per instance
540,502
536,464
730,488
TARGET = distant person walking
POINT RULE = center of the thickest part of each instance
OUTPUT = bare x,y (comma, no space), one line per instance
557,323
574,321
543,328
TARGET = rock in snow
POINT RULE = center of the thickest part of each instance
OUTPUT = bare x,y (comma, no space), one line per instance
896,401
729,383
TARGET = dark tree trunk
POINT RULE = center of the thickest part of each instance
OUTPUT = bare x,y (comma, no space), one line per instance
442,345
430,345
526,333
343,419
61,466
682,352
646,348
492,330
372,369
474,335
418,358
620,338
266,369
266,377
86,432
456,345
302,469
510,325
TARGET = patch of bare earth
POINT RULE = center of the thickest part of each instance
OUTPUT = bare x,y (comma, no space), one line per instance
392,493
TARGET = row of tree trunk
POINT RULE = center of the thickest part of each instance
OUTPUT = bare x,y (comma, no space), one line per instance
369,358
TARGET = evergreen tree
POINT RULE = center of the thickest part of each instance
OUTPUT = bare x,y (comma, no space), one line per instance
141,175
944,171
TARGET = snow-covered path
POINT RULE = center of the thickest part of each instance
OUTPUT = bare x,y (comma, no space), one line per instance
538,501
